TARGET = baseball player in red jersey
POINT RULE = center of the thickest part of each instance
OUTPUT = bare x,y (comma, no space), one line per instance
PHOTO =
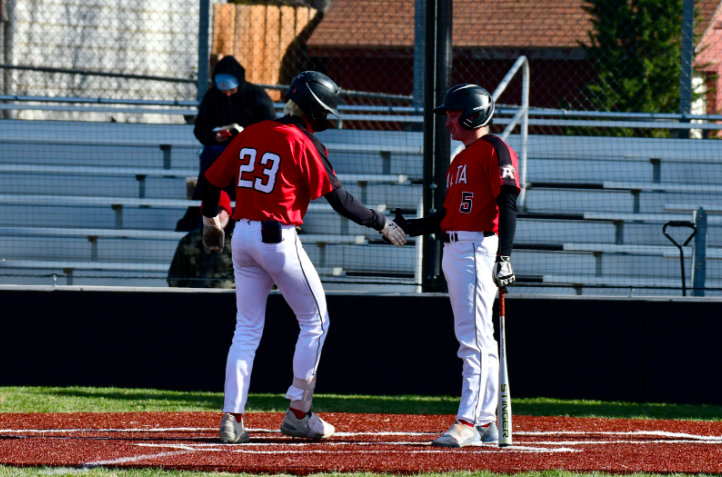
478,222
278,167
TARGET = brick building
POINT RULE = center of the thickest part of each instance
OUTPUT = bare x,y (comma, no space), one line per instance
369,45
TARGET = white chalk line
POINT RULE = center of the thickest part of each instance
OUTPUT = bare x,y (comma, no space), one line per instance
243,449
681,438
678,435
622,441
125,460
201,429
150,429
621,433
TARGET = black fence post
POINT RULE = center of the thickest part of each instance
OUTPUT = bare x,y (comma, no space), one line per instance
203,54
685,77
437,143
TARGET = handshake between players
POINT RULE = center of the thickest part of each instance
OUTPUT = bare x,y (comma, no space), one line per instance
396,231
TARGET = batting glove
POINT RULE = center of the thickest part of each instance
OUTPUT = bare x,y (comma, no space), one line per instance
213,235
503,273
401,221
394,234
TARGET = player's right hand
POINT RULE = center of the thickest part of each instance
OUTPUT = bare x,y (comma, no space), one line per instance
401,221
394,234
503,273
213,235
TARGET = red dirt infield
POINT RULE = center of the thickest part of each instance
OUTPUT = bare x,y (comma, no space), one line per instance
363,442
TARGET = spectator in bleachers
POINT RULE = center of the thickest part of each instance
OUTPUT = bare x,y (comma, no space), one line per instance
229,106
195,266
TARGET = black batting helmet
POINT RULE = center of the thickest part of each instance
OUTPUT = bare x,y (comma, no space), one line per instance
475,103
314,92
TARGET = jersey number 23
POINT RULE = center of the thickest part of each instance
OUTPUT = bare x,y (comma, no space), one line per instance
248,165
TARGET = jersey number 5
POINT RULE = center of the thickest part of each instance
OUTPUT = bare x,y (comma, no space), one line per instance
466,202
264,184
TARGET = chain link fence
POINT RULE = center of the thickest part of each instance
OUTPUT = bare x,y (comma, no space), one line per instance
99,155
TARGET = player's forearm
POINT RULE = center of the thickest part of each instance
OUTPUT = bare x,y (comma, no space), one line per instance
506,201
211,196
346,205
430,224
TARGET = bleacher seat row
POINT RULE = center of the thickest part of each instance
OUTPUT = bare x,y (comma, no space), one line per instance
103,199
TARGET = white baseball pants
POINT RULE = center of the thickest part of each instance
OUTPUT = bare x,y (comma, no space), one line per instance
257,267
467,266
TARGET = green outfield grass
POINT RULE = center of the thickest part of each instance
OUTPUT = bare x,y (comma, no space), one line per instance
84,399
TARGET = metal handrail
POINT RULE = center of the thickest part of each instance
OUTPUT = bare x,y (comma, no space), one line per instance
620,115
60,99
348,92
110,74
521,116
501,110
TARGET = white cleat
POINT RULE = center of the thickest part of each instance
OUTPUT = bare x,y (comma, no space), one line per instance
232,431
489,433
458,435
311,426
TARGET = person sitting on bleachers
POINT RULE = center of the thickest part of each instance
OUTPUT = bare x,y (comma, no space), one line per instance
195,266
229,106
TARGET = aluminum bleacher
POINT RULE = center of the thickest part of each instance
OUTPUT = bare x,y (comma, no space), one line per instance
74,200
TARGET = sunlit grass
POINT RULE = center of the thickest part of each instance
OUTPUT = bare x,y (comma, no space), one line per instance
87,399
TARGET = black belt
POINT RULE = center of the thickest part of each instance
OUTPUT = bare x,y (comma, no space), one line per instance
454,237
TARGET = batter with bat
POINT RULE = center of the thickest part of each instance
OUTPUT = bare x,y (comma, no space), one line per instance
477,222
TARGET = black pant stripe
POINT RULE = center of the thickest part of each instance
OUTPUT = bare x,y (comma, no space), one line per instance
323,331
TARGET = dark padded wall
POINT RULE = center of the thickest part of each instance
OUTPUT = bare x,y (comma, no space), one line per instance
631,350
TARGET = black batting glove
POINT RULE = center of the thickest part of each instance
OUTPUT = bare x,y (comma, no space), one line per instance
503,273
402,222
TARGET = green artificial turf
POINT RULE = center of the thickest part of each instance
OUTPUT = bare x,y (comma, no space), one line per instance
85,399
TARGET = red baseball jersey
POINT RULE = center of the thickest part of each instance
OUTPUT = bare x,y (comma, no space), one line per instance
474,181
278,167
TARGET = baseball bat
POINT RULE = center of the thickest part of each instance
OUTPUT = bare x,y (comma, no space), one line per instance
504,409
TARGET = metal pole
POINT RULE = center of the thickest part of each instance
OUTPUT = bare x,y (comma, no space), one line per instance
524,132
685,76
699,258
437,142
444,59
203,53
430,245
7,9
419,42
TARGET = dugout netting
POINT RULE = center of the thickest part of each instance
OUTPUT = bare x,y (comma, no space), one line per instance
98,159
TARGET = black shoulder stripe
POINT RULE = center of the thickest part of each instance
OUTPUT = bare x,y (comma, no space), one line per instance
502,150
504,156
323,154
320,148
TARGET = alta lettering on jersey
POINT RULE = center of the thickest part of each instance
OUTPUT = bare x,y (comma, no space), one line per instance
460,176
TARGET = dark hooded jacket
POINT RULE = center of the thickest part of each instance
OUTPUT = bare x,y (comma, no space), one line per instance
248,106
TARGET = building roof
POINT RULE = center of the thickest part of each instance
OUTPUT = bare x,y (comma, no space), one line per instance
477,23
500,23
709,12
